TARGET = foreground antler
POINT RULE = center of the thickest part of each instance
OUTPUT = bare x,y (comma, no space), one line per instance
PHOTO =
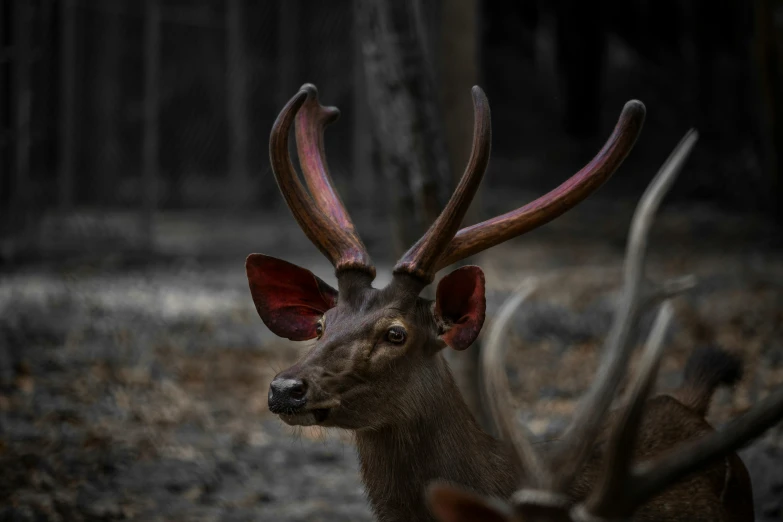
584,428
619,488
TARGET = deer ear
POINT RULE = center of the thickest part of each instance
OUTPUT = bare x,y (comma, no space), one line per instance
450,504
460,305
289,299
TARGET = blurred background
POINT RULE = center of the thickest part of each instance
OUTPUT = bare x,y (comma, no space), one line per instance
134,180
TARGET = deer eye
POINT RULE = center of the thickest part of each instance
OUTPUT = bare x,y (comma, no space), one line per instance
396,335
319,328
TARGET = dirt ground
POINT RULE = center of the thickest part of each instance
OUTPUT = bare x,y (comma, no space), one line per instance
137,391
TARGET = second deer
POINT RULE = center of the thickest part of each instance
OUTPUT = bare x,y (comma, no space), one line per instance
652,459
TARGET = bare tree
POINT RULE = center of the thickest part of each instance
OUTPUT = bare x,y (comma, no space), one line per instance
21,204
404,114
108,94
236,87
151,101
770,71
364,179
287,48
67,103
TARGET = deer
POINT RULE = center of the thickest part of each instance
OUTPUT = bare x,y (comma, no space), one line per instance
376,367
653,458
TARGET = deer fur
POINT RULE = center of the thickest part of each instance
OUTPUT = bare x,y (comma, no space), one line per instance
424,430
442,442
720,492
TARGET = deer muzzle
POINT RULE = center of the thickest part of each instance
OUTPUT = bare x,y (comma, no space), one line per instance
288,399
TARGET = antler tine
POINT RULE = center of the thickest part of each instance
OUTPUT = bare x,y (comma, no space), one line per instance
650,478
673,287
607,498
421,260
498,395
584,427
311,120
341,246
476,238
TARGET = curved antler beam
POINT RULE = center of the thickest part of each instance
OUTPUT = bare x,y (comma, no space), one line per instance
608,498
477,238
340,245
581,433
311,120
422,258
497,392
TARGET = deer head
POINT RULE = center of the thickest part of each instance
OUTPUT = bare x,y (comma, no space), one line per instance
375,350
621,485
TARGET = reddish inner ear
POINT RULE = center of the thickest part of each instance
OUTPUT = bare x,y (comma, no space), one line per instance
460,304
289,299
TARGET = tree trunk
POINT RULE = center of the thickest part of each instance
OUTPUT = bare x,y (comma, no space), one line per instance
21,202
406,130
287,49
363,146
6,122
151,101
67,103
769,63
106,159
236,89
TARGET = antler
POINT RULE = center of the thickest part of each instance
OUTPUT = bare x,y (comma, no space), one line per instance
607,500
421,260
476,238
581,434
498,395
621,487
545,486
311,120
325,221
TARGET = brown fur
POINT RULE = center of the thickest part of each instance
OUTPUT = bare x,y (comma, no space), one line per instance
411,423
721,492
706,369
443,443
412,426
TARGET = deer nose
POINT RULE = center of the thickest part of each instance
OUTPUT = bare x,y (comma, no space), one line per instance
287,395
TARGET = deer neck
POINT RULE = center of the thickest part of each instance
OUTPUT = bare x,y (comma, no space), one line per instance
442,442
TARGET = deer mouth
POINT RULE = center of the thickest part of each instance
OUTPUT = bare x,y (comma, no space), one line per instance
306,418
